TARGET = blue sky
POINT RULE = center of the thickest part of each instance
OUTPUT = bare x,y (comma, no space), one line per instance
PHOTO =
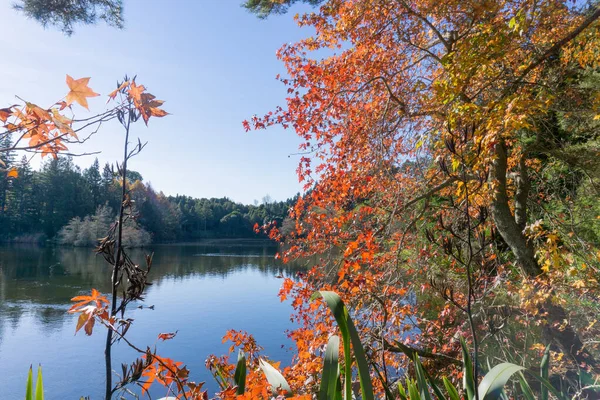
213,63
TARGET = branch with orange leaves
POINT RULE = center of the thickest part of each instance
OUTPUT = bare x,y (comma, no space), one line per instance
94,308
49,129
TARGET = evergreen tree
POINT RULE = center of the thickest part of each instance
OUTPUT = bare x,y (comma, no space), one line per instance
7,158
64,14
22,207
94,181
60,194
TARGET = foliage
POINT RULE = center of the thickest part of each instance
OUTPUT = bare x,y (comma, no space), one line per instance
65,14
49,199
39,385
449,151
445,150
264,8
91,229
240,381
491,387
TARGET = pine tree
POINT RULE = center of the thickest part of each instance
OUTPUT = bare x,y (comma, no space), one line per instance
21,202
7,158
93,180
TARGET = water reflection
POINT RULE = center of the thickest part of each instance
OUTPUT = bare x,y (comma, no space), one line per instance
48,275
202,290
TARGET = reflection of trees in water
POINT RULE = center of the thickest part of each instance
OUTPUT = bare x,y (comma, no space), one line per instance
10,316
31,277
52,318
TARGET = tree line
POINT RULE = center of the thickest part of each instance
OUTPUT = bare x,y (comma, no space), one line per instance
61,195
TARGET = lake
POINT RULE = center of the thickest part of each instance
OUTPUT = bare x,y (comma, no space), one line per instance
200,290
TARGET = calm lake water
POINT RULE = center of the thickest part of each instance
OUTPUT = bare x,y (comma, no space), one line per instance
199,290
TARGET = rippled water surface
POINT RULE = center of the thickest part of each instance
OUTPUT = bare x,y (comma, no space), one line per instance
199,290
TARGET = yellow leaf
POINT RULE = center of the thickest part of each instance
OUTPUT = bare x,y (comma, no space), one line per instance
455,164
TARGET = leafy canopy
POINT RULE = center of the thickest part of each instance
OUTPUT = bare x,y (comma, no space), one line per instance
65,14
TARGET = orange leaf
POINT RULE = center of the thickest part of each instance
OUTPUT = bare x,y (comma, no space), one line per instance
112,95
5,113
80,91
83,317
13,173
135,91
167,336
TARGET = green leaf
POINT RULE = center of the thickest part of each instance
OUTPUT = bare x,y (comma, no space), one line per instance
525,387
338,388
29,388
548,385
468,379
331,369
348,329
436,390
401,391
239,376
39,385
544,368
493,382
512,23
275,379
413,392
452,392
421,381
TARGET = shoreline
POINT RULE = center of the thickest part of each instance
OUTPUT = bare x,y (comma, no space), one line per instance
205,242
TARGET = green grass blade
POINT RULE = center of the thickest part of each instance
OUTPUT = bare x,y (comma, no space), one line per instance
452,392
347,328
39,385
330,369
544,369
548,385
29,388
421,380
413,392
525,387
402,391
436,390
468,379
220,377
239,376
275,379
493,382
338,388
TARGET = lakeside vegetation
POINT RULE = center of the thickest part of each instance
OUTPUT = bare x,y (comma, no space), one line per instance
76,206
451,170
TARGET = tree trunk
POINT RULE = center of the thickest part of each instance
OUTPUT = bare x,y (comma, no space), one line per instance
505,223
511,230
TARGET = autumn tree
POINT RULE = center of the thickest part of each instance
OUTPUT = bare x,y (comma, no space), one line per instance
429,130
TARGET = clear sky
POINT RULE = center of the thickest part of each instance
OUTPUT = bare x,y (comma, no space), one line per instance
213,63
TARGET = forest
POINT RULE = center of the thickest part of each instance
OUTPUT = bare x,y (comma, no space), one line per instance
37,205
449,220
